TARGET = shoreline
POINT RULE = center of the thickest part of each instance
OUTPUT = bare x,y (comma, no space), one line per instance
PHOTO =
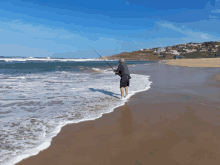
77,142
44,146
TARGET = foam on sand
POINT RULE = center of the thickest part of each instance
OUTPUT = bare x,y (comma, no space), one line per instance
50,101
96,70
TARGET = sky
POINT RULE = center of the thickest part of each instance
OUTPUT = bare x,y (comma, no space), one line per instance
66,28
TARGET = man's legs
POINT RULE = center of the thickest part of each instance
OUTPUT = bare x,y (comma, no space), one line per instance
126,90
122,92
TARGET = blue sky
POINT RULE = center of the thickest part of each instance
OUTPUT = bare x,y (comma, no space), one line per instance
46,28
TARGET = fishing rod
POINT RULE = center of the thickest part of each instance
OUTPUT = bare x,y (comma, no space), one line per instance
102,58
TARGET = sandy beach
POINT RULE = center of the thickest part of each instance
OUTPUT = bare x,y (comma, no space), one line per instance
175,122
203,62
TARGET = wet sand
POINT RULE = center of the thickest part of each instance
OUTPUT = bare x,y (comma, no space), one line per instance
204,62
175,122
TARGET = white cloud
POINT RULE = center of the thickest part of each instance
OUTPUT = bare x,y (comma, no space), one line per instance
127,3
66,36
204,36
196,36
19,50
1,29
23,39
213,17
171,26
215,11
84,53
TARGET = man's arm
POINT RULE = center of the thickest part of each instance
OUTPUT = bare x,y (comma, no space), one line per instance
117,72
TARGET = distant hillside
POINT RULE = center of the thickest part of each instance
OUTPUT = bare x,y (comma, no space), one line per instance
189,50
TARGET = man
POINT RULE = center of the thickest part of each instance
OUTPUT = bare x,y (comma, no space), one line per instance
123,72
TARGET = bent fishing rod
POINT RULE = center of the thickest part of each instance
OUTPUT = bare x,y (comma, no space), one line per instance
102,58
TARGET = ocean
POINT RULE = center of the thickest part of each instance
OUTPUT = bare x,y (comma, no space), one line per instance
39,96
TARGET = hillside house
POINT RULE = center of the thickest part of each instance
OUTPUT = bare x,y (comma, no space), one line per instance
181,46
194,44
203,50
175,52
214,50
190,50
189,43
159,50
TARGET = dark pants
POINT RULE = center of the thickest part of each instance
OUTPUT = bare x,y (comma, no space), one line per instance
124,82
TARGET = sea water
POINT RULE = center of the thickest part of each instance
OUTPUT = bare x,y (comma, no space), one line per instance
37,98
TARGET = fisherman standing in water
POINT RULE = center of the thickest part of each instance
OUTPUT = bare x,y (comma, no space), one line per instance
123,72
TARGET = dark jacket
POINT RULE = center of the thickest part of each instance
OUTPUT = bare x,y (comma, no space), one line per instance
123,71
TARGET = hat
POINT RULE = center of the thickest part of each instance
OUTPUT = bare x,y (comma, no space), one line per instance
122,60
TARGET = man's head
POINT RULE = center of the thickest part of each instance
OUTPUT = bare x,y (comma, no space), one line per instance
122,61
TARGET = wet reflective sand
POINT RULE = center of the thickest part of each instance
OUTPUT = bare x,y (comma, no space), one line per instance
175,122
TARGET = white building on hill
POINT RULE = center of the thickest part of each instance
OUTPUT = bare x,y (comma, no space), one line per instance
160,50
190,50
175,52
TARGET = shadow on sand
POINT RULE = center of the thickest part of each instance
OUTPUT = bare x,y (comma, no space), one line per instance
105,92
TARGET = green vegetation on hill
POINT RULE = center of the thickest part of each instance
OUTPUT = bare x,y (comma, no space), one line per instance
189,50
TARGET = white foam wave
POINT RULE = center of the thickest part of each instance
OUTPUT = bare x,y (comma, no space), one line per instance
133,65
96,69
87,90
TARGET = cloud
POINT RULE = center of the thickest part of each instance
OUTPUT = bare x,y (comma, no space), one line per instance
213,17
215,11
127,3
22,51
1,29
171,26
116,51
204,36
196,35
23,39
36,40
66,36
87,53
170,33
167,33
